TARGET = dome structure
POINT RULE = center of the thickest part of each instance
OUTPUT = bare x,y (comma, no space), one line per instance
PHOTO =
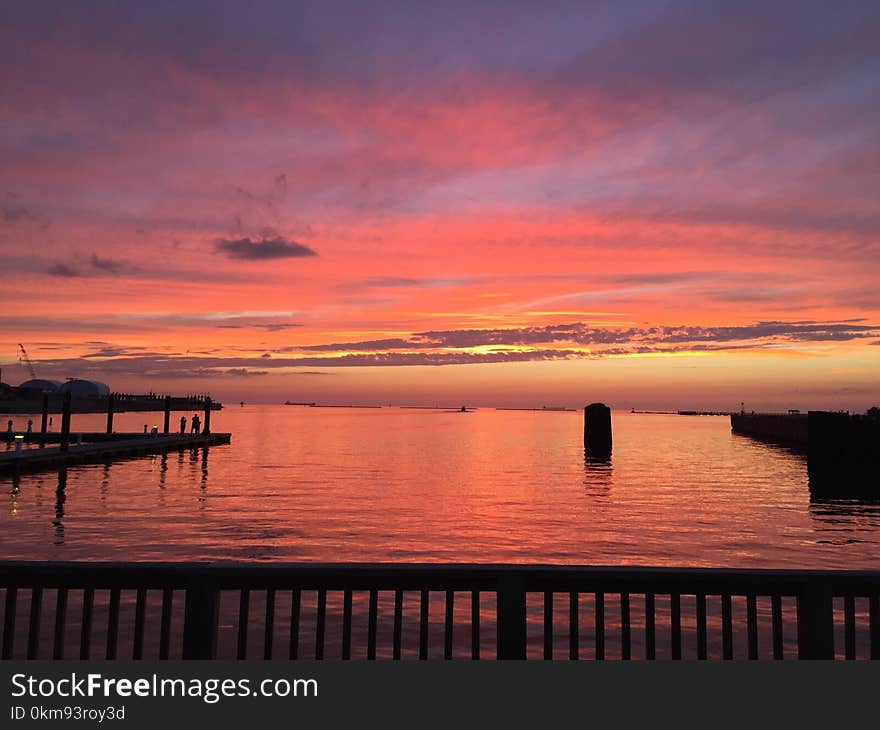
85,388
41,386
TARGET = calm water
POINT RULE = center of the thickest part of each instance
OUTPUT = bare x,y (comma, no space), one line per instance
414,485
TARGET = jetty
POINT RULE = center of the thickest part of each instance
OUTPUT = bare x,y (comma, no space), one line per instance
77,448
104,447
788,429
25,401
843,449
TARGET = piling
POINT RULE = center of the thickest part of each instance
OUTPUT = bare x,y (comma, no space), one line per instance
44,425
65,421
207,428
843,457
597,430
110,413
167,413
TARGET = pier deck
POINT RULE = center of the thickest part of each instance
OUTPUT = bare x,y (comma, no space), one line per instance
99,448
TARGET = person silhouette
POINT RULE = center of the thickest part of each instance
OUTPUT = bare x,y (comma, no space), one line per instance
183,424
196,423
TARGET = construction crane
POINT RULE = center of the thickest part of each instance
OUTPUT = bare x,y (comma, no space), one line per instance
27,360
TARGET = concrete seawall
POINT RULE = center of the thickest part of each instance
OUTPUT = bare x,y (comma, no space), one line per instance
843,450
791,429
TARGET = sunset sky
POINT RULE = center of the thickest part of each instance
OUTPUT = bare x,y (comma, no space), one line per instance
654,204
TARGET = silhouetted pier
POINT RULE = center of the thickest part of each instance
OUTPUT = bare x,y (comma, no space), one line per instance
102,448
88,447
118,402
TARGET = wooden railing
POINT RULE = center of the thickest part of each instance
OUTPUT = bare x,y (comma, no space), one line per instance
811,607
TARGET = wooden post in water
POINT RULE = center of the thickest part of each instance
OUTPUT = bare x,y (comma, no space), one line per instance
44,426
65,421
597,430
110,413
167,413
207,428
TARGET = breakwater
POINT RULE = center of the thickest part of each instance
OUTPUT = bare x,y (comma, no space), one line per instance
843,449
789,429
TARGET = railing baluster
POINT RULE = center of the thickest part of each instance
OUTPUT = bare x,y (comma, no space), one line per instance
112,624
701,626
269,624
675,620
165,625
548,624
448,624
815,621
776,611
9,622
625,628
726,626
874,618
85,636
320,620
398,624
372,620
423,625
752,619
600,625
295,599
849,626
33,647
200,613
60,623
573,626
244,603
475,624
650,624
140,613
346,624
511,619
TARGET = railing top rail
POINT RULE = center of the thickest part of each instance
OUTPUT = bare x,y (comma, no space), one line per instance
435,576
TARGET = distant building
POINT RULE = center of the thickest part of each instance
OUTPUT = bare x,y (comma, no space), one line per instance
38,386
85,389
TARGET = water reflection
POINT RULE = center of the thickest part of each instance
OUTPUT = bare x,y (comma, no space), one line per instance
598,477
372,485
846,521
843,484
163,470
60,499
204,465
105,481
16,490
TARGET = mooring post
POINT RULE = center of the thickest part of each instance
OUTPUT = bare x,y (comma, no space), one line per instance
110,413
597,430
45,424
207,428
167,413
65,421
